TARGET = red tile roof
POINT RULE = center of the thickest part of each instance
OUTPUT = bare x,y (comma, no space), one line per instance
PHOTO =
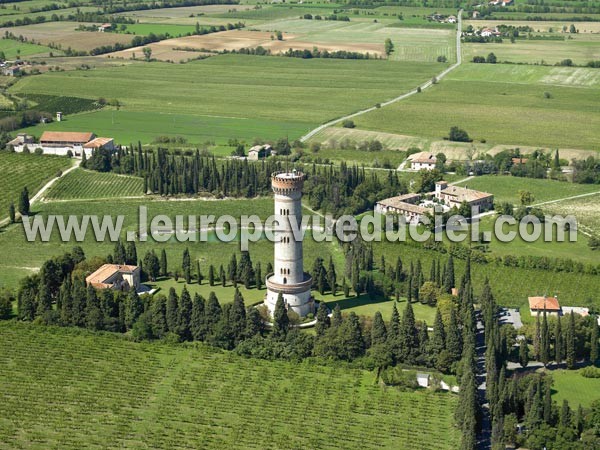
541,303
66,136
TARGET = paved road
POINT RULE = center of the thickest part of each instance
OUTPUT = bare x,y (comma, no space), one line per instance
400,97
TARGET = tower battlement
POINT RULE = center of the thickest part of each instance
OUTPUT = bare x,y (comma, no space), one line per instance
285,182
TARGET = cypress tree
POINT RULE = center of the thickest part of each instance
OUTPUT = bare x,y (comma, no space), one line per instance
213,313
558,341
184,315
281,321
438,342
258,274
222,275
211,275
571,342
544,341
398,276
199,272
523,353
172,311
131,253
323,322
594,341
186,266
164,270
378,330
93,315
12,213
158,311
336,317
254,323
197,321
24,206
449,279
119,253
537,338
133,308
394,332
453,337
237,316
352,342
408,336
332,277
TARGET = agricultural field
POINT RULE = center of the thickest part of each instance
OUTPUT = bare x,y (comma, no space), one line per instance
12,49
560,109
585,209
83,184
506,188
580,48
21,170
145,29
63,35
572,386
155,394
230,90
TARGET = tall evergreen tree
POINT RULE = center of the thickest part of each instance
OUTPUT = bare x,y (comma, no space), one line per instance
237,316
211,275
184,315
544,341
131,253
594,341
523,353
172,310
449,279
336,316
12,213
198,321
453,337
186,266
407,344
164,269
213,313
323,322
570,342
133,308
259,276
281,321
438,342
158,313
558,341
24,206
378,330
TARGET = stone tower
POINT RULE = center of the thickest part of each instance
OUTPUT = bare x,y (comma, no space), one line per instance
289,277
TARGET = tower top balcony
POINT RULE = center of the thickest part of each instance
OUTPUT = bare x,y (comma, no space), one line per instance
287,182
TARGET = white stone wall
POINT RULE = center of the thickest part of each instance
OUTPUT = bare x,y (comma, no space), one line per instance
288,253
301,303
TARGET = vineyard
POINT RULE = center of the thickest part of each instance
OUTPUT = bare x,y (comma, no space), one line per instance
25,170
67,388
83,184
67,105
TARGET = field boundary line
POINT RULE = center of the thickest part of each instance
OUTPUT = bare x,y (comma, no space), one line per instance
424,86
566,198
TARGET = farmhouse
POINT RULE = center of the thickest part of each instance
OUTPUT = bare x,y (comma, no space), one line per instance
61,142
519,161
104,27
405,205
541,304
489,32
423,161
260,152
115,276
455,195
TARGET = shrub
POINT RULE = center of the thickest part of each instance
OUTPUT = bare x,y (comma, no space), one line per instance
39,151
590,372
348,123
458,135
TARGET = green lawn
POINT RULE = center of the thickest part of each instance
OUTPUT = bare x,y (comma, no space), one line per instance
71,389
502,106
145,29
84,184
231,91
570,385
31,171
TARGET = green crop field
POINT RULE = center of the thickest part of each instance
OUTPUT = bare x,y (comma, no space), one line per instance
73,389
233,89
21,170
572,386
580,49
504,105
506,188
145,29
84,184
12,48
